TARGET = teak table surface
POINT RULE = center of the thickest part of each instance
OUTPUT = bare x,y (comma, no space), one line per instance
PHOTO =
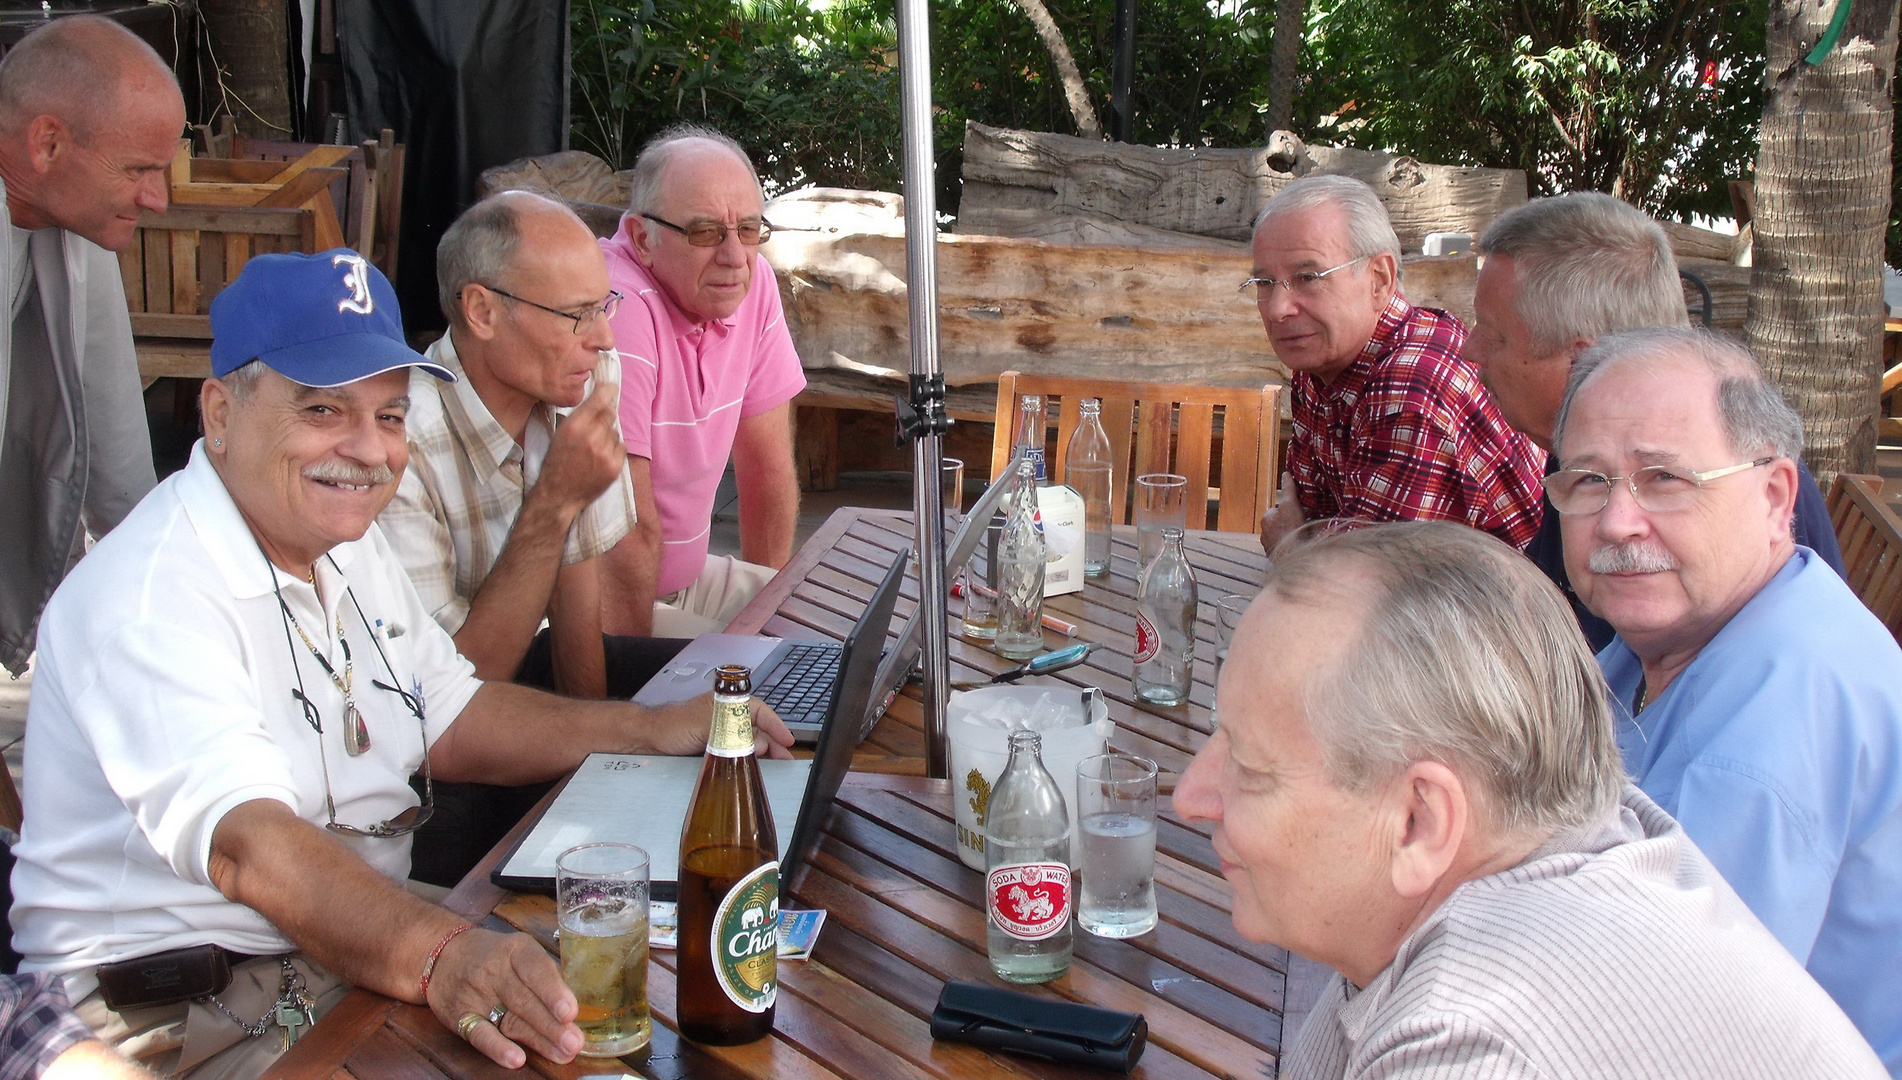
903,913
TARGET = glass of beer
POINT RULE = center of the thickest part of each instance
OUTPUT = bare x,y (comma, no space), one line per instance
1116,834
601,900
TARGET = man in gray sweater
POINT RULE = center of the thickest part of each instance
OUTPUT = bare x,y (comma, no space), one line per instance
89,119
1416,782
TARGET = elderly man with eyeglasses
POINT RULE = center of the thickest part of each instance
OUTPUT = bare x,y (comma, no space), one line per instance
1761,703
1390,423
517,484
708,375
234,688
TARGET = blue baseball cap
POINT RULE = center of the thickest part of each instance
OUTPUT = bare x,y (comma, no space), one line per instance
320,320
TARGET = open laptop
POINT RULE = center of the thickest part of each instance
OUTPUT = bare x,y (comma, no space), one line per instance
799,679
644,800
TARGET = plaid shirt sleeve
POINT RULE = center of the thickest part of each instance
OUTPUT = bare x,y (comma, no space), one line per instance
37,1024
1428,443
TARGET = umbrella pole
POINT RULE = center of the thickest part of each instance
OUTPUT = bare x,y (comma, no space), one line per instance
922,417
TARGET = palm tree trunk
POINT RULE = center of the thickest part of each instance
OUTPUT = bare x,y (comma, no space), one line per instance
1284,63
1074,90
1822,210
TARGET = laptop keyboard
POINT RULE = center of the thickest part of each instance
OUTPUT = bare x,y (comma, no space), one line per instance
799,688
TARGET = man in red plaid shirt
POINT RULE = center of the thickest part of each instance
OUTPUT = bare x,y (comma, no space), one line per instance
1390,424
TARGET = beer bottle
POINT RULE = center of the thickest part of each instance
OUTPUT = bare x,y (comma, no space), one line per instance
729,883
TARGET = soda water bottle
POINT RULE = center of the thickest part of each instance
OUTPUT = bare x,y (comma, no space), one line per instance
1086,468
1027,890
1165,625
1030,432
1020,566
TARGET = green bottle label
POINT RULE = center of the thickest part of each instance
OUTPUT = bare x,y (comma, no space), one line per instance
746,940
732,734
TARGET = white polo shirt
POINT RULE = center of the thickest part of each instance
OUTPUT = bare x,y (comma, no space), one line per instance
162,699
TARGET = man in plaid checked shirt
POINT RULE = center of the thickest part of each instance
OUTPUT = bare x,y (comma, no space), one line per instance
1390,424
41,1038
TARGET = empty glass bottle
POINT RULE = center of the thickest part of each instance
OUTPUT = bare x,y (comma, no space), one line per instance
1027,891
1165,625
1031,431
1020,566
1086,469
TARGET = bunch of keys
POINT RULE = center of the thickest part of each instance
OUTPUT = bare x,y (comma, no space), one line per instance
292,1011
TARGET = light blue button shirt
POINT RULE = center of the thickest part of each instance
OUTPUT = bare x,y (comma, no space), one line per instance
1780,750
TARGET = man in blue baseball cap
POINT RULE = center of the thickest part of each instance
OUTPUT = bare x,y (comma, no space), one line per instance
234,689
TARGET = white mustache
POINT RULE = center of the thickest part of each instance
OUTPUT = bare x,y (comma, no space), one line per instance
1635,557
343,472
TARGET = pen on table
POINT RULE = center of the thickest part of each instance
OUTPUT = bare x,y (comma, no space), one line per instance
1050,622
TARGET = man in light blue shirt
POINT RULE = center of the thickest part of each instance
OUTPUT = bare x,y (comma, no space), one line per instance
1767,700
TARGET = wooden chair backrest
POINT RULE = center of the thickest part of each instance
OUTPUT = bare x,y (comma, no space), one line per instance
1871,539
1163,427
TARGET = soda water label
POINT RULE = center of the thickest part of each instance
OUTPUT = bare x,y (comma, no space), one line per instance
1148,641
1030,901
746,940
732,733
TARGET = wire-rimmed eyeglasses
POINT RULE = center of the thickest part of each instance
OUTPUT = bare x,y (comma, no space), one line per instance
1660,489
714,233
584,318
1304,282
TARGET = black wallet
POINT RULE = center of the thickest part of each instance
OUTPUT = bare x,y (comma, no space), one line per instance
164,978
1056,1030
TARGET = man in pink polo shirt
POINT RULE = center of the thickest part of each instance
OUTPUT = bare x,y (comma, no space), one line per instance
708,372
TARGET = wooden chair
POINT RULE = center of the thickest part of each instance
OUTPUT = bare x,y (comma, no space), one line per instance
1163,427
1870,532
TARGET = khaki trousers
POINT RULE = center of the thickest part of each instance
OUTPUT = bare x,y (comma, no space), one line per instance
725,585
193,1039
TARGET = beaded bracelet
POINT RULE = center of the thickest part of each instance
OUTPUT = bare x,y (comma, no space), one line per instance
429,965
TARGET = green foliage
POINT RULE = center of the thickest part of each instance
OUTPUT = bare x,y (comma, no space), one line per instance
1582,94
1602,94
812,95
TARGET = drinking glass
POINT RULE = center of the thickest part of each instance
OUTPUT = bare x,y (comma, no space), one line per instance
980,588
1161,501
601,901
951,471
1228,615
1116,835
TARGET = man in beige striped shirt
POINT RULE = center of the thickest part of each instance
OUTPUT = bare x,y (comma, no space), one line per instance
1416,783
517,484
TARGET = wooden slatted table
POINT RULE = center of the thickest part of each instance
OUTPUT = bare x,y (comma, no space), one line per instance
903,913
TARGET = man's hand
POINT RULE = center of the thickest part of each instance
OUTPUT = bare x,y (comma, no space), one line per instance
94,1060
681,728
480,970
1284,518
586,454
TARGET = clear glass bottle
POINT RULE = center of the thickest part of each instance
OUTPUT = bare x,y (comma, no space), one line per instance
1031,431
1087,470
1027,890
1165,625
1020,567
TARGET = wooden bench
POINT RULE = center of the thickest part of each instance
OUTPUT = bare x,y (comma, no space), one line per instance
1869,528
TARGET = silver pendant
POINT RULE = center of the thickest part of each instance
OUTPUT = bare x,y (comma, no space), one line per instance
356,734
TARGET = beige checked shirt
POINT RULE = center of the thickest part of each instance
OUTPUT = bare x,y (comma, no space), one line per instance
465,484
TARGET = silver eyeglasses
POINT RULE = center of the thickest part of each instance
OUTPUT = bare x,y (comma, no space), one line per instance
584,317
1305,282
752,232
1660,489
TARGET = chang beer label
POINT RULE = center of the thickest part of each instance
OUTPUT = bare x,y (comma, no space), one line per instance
1148,641
1030,901
746,939
732,733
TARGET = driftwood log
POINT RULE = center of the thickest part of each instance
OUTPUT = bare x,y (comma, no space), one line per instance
1031,184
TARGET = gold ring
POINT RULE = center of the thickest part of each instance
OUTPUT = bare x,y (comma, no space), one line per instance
468,1024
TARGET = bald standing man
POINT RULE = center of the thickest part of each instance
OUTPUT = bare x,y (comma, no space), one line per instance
89,118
